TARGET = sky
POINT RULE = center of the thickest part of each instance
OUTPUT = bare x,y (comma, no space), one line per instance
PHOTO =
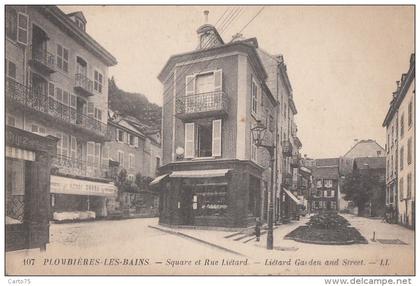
343,61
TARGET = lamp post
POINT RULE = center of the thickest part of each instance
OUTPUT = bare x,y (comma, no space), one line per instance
258,132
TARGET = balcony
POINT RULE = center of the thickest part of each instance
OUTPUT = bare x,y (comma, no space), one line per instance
65,165
36,101
287,148
83,85
287,179
42,61
202,105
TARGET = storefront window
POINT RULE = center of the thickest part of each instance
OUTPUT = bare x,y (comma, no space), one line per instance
15,191
210,200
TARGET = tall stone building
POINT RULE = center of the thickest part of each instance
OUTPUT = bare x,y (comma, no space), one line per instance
57,87
400,165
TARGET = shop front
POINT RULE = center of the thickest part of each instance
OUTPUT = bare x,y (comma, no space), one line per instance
28,163
77,199
221,193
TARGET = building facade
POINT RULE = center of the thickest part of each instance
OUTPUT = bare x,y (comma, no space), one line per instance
400,129
56,85
136,155
212,172
326,191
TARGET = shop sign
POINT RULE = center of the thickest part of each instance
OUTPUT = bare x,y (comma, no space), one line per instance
69,186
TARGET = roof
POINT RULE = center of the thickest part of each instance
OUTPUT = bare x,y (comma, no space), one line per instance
365,147
78,14
326,162
325,172
398,96
243,46
370,162
59,18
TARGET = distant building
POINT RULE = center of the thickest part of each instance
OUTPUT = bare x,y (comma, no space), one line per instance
326,191
400,166
365,148
138,155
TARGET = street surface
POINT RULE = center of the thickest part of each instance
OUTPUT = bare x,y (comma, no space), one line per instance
132,247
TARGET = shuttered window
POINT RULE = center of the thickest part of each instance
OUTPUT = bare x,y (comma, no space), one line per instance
90,153
73,147
189,140
218,80
189,84
217,138
22,29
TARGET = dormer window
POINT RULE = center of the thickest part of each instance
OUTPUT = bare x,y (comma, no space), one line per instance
80,24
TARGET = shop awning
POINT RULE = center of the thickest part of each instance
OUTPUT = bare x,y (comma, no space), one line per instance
200,173
157,180
292,196
70,186
20,154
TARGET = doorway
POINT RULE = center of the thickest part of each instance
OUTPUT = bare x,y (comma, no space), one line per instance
186,206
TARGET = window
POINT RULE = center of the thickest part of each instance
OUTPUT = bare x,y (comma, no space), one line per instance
98,81
402,126
271,123
11,121
254,150
121,158
392,136
204,82
80,24
38,129
132,140
22,29
120,135
316,205
328,183
130,177
62,58
333,205
409,150
401,158
11,23
203,139
11,70
409,180
157,163
98,114
15,191
319,183
254,97
401,189
410,114
131,161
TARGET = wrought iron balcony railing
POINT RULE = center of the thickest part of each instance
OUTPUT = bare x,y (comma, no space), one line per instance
43,60
83,84
202,105
75,167
38,101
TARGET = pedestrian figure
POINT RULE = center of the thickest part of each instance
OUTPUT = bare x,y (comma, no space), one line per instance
258,229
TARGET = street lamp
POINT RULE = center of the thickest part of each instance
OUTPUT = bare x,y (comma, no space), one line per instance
258,133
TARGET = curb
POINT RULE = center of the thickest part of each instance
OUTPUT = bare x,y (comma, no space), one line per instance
196,239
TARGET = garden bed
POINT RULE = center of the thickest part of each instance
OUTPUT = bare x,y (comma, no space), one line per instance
330,228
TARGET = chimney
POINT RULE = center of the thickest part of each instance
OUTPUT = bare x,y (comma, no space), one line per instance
206,16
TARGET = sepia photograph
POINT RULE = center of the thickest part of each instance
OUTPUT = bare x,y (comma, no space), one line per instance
168,140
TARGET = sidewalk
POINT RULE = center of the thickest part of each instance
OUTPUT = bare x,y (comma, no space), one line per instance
241,242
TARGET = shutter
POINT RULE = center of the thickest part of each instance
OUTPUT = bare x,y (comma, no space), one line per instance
73,147
59,142
189,140
97,154
136,141
90,153
217,138
332,193
90,109
51,89
189,84
218,80
65,145
22,32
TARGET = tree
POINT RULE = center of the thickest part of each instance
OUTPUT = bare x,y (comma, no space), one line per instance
364,187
